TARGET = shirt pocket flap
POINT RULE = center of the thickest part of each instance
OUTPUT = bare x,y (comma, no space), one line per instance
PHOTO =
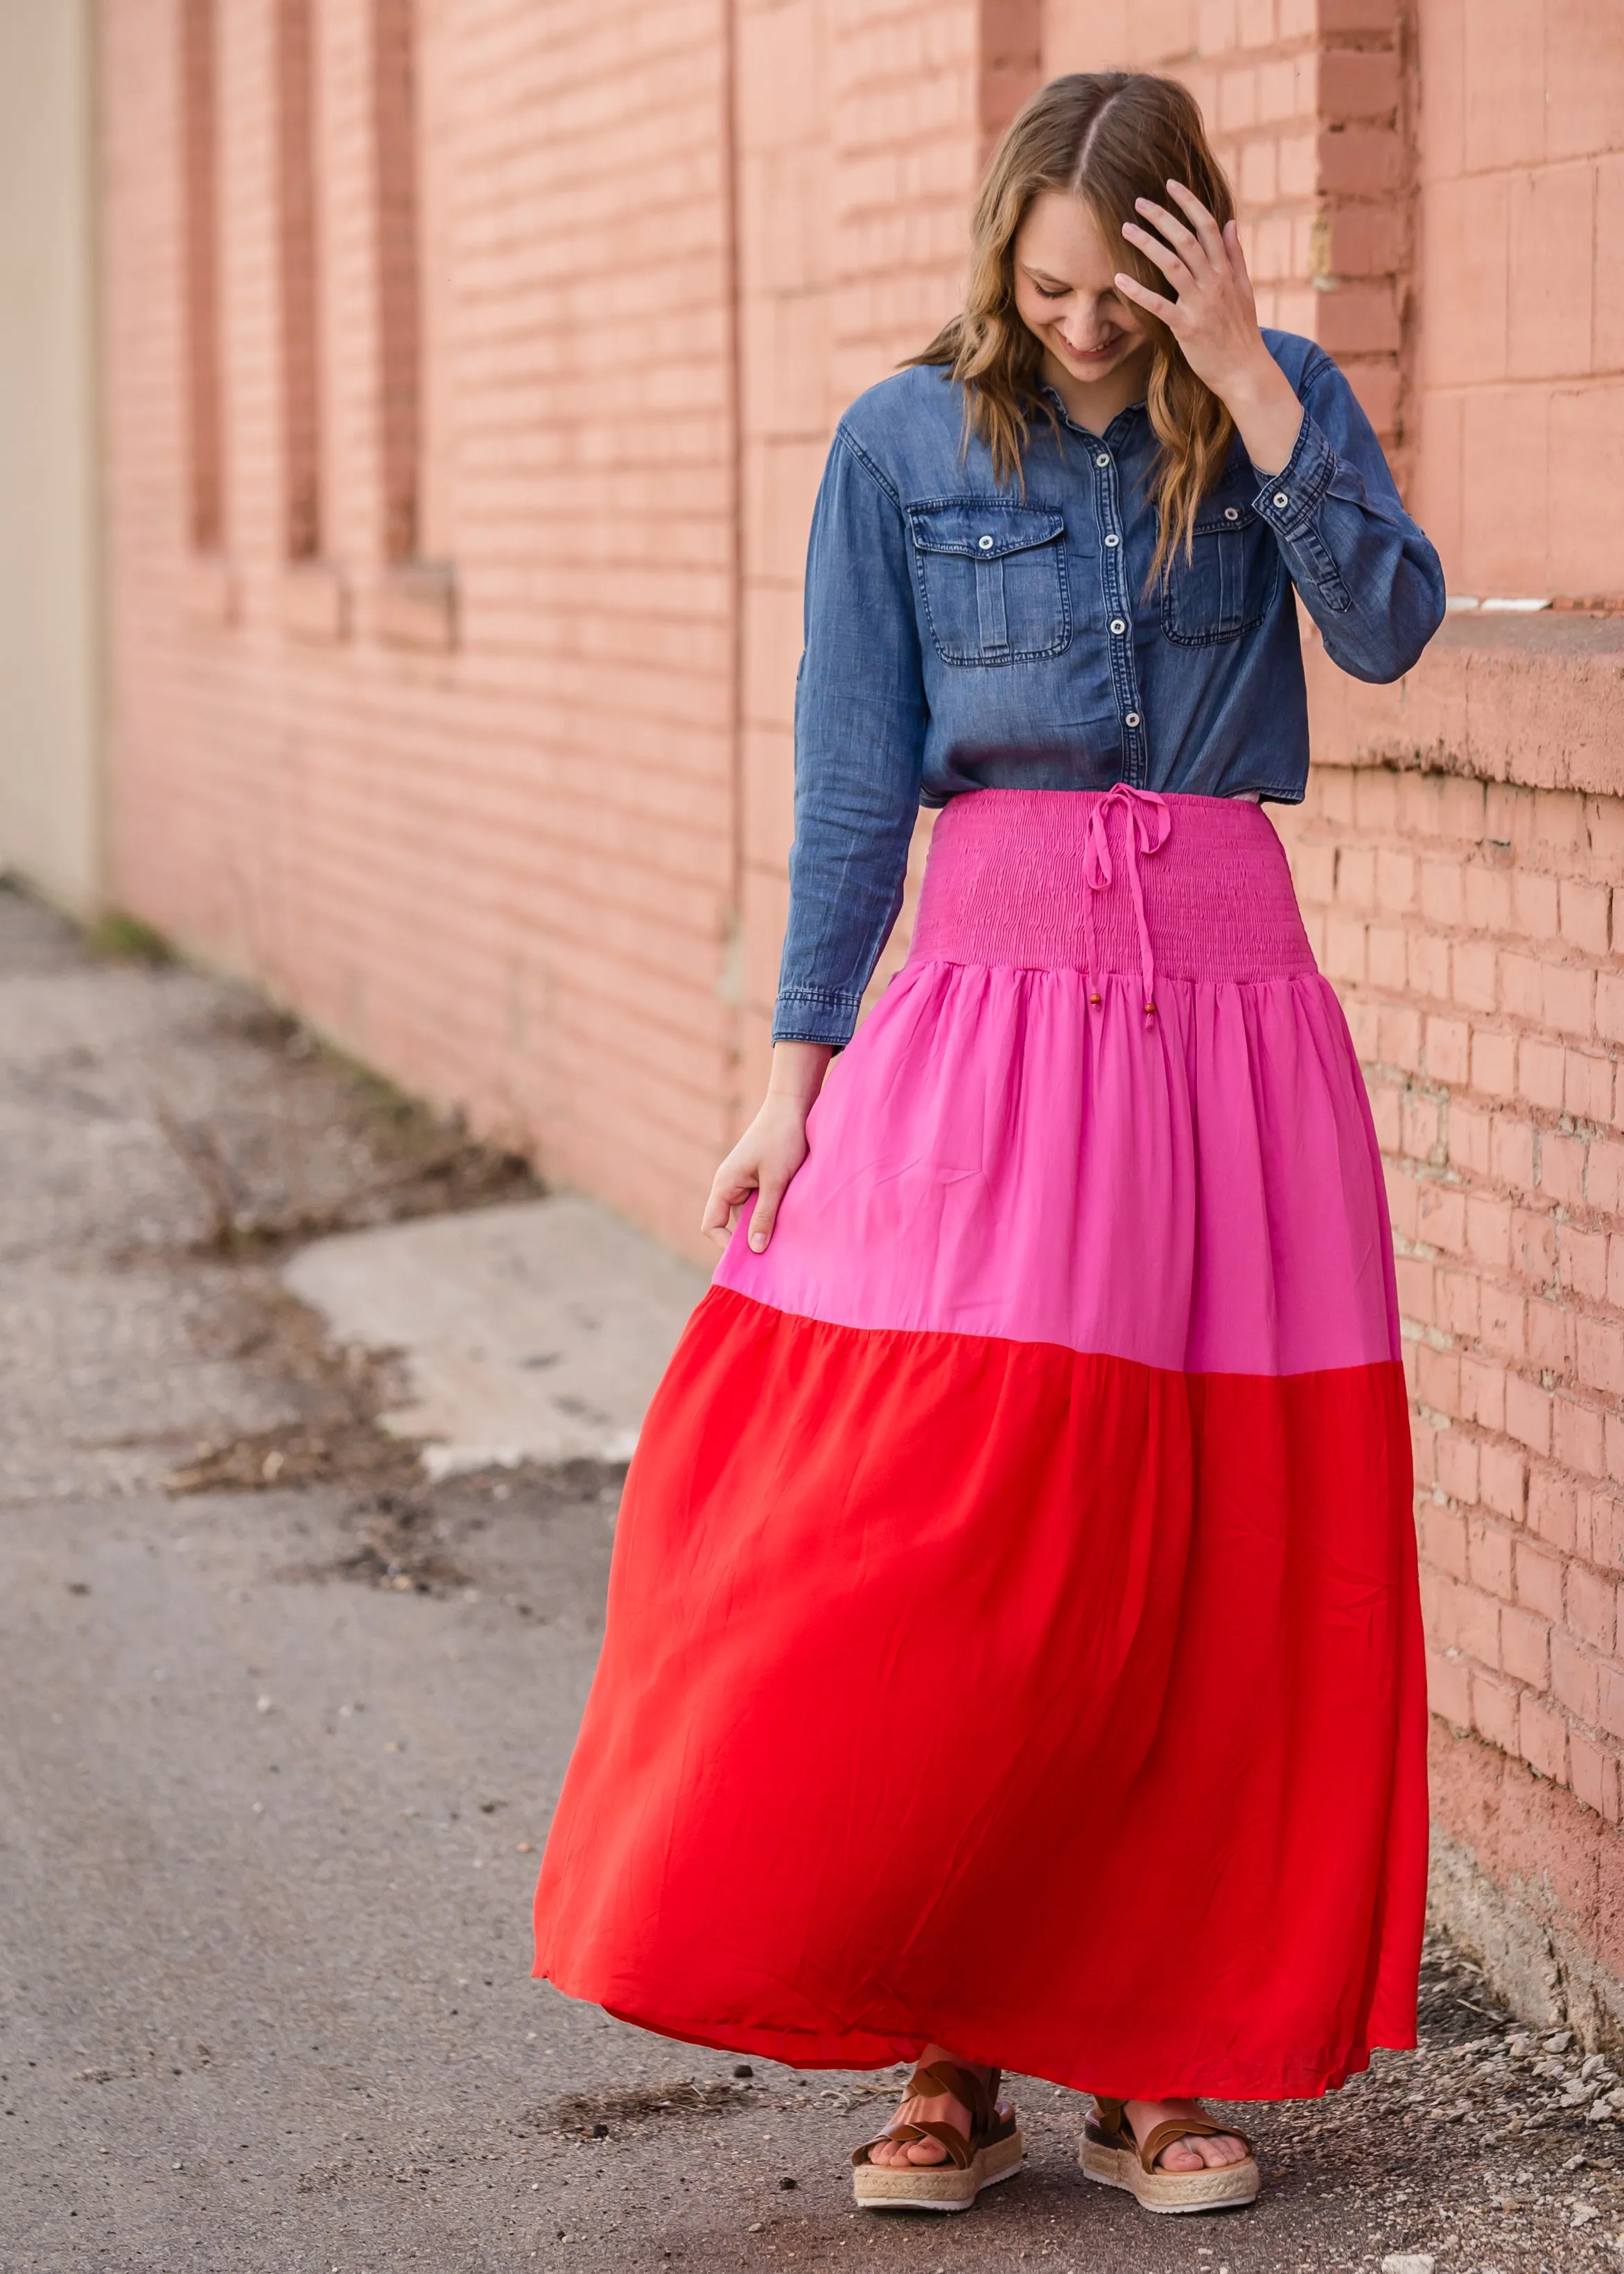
1218,514
976,530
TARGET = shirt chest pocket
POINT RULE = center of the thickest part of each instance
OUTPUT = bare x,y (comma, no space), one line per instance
992,580
1226,585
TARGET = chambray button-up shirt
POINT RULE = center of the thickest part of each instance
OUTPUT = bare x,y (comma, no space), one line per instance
962,635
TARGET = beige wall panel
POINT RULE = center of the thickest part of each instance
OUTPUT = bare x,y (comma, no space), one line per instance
50,704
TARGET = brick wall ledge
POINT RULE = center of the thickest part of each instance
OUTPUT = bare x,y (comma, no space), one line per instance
1531,1884
209,589
1536,700
315,602
417,606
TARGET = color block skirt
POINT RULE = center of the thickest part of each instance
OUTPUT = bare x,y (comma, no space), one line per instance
1013,1635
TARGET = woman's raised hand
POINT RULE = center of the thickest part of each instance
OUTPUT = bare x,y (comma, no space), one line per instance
1213,317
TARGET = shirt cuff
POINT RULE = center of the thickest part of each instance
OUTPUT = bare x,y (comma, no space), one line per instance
1288,499
814,1014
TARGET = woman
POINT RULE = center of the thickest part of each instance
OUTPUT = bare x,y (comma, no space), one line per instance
1013,1653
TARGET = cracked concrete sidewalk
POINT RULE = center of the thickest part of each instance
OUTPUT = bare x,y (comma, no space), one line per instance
284,1739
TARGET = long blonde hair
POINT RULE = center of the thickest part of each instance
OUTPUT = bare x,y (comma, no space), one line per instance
1107,137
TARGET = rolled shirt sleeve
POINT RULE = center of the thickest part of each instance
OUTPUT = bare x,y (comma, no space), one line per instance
860,718
1368,575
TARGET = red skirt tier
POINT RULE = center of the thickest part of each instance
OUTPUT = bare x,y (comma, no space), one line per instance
1013,1636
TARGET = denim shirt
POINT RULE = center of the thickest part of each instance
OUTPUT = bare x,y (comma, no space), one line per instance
961,635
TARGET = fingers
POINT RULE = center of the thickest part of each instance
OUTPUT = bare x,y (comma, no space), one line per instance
765,1213
1158,303
1203,265
727,1193
1236,257
762,1163
1186,241
1204,223
1201,246
1177,274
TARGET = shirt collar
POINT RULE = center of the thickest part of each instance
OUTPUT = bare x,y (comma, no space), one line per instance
1120,425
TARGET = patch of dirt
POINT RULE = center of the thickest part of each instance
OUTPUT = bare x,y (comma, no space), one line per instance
409,1536
297,1453
266,1177
340,1392
400,1546
536,1487
593,2112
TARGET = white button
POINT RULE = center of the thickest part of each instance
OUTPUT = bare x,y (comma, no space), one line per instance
1113,539
1133,719
1280,498
1104,458
1230,514
1117,625
985,543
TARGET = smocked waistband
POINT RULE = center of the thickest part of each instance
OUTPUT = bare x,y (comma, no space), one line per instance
1118,880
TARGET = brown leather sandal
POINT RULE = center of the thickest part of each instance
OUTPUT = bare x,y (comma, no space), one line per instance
1110,2154
994,2150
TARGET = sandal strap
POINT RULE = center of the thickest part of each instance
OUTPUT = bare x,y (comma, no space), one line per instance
1185,2127
978,2095
945,2079
959,2151
1113,2116
904,2132
960,2154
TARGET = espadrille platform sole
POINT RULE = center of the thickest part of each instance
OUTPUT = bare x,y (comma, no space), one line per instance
936,2186
1109,2153
993,2151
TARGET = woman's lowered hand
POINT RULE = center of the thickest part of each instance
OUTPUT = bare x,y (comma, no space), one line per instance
771,1149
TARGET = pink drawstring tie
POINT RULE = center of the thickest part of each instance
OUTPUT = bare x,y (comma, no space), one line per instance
1149,826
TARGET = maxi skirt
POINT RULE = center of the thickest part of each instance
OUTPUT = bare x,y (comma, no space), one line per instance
1013,1636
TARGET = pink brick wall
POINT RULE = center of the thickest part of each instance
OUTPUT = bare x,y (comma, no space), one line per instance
502,873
